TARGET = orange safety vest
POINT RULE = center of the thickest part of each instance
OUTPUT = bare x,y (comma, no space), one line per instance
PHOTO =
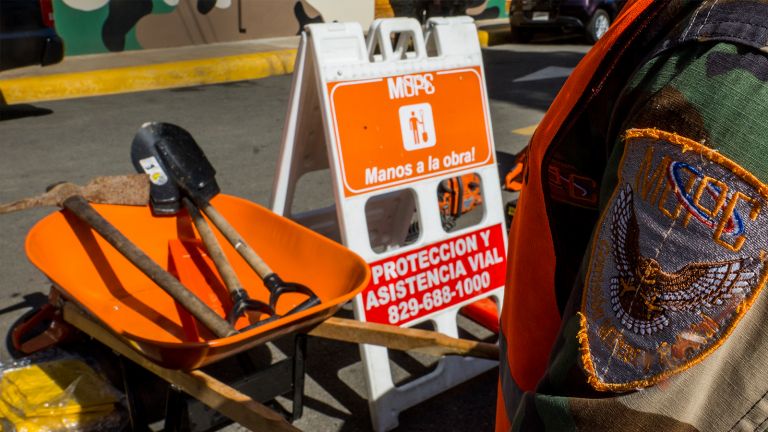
530,318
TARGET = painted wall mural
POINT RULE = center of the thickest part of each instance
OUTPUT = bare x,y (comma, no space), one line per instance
98,26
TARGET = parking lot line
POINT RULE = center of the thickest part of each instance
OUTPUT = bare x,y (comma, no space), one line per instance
527,131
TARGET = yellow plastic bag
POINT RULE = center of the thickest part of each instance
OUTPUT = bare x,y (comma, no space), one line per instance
58,395
55,388
68,422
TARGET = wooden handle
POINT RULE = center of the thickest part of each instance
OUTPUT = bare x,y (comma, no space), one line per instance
214,248
403,339
210,319
251,257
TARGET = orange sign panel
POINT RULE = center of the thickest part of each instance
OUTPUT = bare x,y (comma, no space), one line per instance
397,130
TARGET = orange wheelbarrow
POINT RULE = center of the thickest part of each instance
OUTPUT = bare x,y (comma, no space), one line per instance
108,298
96,277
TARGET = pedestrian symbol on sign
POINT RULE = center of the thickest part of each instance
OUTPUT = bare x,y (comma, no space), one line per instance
417,126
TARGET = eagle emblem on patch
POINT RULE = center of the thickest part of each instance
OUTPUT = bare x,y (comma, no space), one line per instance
677,259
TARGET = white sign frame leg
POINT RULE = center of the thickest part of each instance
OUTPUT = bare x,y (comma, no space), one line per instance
338,52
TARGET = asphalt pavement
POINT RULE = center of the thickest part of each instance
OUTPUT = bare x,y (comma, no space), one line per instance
176,67
239,125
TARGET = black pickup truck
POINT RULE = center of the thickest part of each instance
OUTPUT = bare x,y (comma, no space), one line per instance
27,34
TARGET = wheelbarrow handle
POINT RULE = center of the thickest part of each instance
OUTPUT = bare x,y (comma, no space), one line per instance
210,319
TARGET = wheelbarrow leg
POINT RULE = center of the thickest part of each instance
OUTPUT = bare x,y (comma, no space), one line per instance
299,368
176,414
136,413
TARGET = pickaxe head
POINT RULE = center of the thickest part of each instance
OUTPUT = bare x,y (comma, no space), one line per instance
130,189
175,164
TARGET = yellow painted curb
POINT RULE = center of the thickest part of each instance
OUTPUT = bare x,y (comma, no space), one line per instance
148,77
484,37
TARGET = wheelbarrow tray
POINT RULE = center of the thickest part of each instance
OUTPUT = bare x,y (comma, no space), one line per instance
94,275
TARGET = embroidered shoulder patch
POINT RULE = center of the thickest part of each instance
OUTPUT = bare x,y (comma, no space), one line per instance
678,258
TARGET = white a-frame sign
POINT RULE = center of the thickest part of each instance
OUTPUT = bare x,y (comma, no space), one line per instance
393,117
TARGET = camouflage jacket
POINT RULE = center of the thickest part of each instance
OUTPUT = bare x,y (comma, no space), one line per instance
664,323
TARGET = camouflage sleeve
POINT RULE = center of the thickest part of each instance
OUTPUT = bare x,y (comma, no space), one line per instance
667,332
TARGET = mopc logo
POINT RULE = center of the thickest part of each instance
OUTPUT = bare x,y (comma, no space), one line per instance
410,85
680,191
417,126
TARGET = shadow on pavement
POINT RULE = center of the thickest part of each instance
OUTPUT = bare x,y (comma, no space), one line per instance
331,364
28,301
325,358
502,67
31,303
12,112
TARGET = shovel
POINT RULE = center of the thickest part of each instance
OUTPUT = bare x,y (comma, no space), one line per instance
170,155
165,197
241,302
122,190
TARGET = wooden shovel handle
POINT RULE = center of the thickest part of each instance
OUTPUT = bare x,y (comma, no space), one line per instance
85,212
214,248
234,238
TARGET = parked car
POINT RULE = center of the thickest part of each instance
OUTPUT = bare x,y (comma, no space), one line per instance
592,17
422,10
27,34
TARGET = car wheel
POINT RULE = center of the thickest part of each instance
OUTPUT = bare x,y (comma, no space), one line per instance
598,25
520,34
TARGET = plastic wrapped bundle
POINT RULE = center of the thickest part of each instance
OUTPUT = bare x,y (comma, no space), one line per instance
56,395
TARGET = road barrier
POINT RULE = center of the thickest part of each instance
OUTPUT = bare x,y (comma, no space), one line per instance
393,117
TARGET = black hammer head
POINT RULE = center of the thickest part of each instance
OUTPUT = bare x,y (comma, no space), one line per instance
175,164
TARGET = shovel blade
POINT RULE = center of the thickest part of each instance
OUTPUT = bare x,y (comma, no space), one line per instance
165,196
188,166
176,166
